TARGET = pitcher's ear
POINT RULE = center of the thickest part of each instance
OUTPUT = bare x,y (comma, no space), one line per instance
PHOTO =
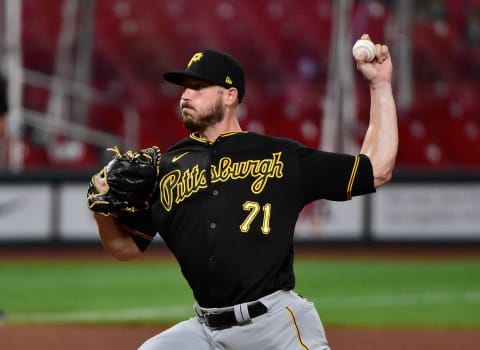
231,95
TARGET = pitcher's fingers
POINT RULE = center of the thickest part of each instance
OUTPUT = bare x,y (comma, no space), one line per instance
382,52
366,37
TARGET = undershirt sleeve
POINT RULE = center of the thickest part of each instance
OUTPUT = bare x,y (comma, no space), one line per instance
141,228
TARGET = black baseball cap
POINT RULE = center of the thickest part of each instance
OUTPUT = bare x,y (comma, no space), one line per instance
214,67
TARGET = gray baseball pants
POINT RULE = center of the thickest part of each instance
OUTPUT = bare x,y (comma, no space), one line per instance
291,323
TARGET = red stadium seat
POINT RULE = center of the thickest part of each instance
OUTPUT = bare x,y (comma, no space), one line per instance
284,46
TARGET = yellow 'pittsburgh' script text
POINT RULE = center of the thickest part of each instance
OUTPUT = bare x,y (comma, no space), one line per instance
176,186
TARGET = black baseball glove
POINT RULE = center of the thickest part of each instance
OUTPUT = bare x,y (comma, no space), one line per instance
130,182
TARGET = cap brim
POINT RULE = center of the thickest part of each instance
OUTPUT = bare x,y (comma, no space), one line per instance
178,78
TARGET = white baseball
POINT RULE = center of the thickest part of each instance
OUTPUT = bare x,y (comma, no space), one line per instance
364,45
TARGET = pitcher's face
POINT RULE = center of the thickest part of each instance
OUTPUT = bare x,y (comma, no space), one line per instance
201,105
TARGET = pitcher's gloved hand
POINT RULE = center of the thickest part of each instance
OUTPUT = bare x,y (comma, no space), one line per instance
127,184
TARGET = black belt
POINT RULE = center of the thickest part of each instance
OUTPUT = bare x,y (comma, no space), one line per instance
226,319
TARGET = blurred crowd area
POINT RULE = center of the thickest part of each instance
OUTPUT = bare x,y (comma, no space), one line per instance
284,46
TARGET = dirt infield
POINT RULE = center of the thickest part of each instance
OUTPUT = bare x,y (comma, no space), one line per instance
325,250
130,337
80,337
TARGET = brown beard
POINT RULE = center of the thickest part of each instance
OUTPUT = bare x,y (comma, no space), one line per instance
211,117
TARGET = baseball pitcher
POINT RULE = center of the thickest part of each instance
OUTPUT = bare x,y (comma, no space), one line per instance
226,201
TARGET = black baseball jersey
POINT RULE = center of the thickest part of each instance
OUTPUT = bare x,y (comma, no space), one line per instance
228,209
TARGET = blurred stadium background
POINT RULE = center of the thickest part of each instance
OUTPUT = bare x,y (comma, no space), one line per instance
84,75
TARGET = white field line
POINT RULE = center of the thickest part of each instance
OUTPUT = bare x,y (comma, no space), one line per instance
173,311
185,311
395,300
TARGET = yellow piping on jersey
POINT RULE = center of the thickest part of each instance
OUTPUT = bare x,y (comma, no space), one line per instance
198,138
297,331
230,133
203,139
352,177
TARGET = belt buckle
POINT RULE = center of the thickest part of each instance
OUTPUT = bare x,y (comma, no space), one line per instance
200,314
205,318
204,315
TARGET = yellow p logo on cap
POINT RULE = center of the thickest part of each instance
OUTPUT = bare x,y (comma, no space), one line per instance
197,57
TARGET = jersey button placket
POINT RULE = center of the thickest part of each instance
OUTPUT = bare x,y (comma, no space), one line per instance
212,266
215,192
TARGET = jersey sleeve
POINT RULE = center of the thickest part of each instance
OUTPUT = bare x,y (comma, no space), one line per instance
334,176
141,228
